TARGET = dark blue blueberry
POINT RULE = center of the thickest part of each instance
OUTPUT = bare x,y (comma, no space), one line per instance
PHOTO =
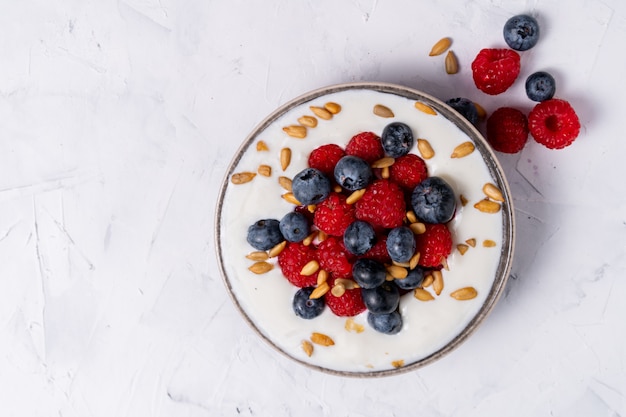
353,173
521,32
383,299
397,139
359,237
310,186
265,234
433,201
401,244
385,323
294,226
368,273
413,279
306,307
540,86
465,107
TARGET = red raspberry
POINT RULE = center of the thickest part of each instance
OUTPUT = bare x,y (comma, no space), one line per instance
507,130
334,215
554,123
495,70
292,259
434,245
382,204
348,305
408,171
379,251
367,146
325,158
335,258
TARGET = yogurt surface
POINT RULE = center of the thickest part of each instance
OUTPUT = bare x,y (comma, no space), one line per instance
266,299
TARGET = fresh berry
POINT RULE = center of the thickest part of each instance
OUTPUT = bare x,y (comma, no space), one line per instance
382,205
265,234
540,86
434,245
465,107
495,70
379,250
365,145
521,32
397,139
325,158
368,273
334,215
382,299
334,258
292,259
507,130
554,123
348,305
413,279
385,323
310,186
407,171
433,201
294,226
401,244
359,237
353,173
305,307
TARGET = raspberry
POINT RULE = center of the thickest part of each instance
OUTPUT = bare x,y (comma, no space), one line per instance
382,204
292,259
325,157
335,258
408,171
554,123
434,245
367,146
495,70
334,215
507,130
348,305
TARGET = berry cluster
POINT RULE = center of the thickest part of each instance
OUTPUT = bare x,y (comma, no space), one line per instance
357,213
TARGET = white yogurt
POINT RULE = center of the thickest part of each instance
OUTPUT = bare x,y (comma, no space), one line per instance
428,326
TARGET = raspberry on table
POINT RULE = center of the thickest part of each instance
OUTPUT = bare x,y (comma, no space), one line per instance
334,258
334,215
434,245
495,70
554,123
408,171
325,157
382,204
348,305
292,259
507,130
365,145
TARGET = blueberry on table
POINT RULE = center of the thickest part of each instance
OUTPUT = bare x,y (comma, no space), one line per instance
401,244
433,201
521,32
397,139
381,300
368,273
353,173
390,323
465,107
294,226
413,279
305,307
540,86
265,234
310,186
359,237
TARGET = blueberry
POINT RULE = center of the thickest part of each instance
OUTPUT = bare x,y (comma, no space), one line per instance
413,279
306,307
294,226
397,139
390,323
401,244
540,86
359,237
465,107
381,300
310,186
368,273
353,173
433,201
265,234
521,32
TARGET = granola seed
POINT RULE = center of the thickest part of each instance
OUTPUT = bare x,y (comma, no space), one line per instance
463,149
425,108
242,177
261,146
471,242
322,236
398,363
383,111
261,267
321,339
265,170
290,198
444,263
319,291
308,121
285,182
414,260
493,192
463,200
480,110
385,173
311,208
462,248
423,295
440,47
465,293
355,196
487,206
451,63
437,282
310,238
411,217
338,290
488,243
383,162
337,188
389,277
277,249
307,347
258,255
428,281
332,107
322,276
321,112
295,131
402,264
425,149
285,158
417,228
310,268
397,272
353,326
347,283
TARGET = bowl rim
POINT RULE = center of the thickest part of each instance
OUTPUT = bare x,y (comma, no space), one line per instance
495,170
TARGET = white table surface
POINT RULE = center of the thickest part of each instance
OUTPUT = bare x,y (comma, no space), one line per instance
118,120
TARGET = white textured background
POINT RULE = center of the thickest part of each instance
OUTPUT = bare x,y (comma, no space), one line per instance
117,122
